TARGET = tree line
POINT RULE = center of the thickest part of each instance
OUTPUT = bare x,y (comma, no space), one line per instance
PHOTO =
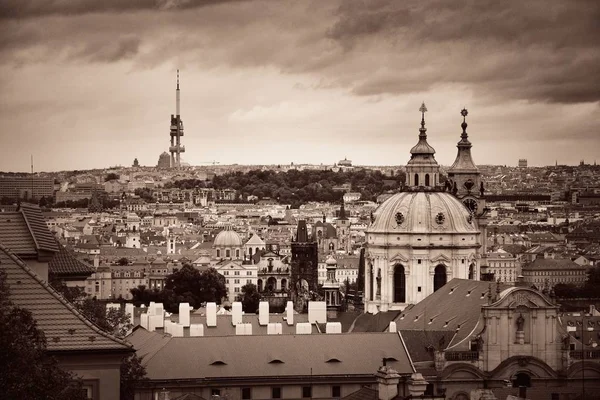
298,187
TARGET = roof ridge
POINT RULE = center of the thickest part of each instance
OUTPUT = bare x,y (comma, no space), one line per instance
60,298
37,245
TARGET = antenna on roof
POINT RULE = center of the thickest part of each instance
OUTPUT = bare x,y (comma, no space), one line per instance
177,100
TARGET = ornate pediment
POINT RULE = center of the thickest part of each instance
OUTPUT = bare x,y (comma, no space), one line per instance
441,258
399,258
523,297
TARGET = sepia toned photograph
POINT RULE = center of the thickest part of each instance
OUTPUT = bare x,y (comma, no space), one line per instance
368,200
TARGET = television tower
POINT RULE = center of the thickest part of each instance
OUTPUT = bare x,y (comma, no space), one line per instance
176,132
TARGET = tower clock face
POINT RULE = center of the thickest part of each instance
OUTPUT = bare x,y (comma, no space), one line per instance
471,205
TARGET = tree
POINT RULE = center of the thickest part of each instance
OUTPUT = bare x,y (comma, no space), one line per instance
111,320
26,369
132,372
123,261
250,298
111,177
213,286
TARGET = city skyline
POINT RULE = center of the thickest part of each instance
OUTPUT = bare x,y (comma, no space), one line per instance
92,84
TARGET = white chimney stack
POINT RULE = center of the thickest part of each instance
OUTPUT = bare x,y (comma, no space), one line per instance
393,326
236,313
333,327
144,320
289,311
177,330
317,312
184,314
303,328
211,314
263,313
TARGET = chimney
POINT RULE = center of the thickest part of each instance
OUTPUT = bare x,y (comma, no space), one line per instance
211,314
387,381
263,313
289,311
96,261
393,326
416,385
236,313
184,314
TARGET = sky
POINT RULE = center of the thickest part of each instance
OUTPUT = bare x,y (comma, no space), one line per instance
91,84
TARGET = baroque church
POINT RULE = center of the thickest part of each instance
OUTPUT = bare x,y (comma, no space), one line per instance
430,232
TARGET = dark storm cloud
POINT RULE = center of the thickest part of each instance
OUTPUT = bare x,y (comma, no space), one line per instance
541,50
38,8
538,50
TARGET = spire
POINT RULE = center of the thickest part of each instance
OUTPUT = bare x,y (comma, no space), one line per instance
464,161
422,147
342,211
177,99
423,130
302,232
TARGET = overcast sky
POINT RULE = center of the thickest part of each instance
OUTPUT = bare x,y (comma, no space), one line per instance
90,84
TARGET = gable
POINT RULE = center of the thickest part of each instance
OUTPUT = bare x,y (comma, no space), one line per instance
64,327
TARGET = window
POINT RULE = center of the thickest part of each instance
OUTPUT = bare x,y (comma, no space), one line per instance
248,281
236,289
554,396
227,253
246,393
249,273
215,392
306,392
236,272
218,253
276,392
336,391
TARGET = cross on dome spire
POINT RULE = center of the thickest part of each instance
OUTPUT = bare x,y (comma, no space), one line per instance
423,110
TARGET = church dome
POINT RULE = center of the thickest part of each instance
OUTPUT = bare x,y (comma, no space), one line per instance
422,212
228,238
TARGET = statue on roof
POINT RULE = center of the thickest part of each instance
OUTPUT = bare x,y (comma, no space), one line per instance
520,323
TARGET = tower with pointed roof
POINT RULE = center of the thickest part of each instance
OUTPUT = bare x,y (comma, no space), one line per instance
464,174
342,224
305,273
419,238
422,170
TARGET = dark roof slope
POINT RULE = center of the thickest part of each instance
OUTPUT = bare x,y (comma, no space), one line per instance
274,355
65,328
15,235
420,343
42,236
364,393
552,264
455,307
64,263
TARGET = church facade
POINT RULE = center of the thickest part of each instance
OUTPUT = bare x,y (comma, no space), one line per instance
427,234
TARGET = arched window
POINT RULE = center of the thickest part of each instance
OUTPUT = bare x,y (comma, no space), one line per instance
237,253
271,284
259,285
439,277
416,179
471,271
227,253
331,247
426,179
283,284
521,380
399,284
218,253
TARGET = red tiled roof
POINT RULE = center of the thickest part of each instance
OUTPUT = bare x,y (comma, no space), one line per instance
65,263
65,328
